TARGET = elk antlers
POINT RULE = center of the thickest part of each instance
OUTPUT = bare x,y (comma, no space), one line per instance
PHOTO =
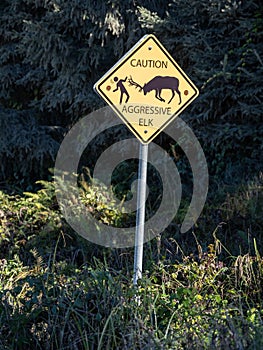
133,83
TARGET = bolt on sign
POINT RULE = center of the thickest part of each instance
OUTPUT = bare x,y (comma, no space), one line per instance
147,88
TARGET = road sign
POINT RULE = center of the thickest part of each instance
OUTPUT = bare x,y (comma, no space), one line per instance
147,88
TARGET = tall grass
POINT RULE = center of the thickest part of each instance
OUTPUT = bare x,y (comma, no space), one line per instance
58,291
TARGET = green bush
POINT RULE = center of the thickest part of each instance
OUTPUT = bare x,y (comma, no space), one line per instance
58,291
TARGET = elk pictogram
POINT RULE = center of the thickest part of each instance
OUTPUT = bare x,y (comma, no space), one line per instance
158,84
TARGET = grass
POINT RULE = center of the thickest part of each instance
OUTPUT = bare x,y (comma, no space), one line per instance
188,305
58,291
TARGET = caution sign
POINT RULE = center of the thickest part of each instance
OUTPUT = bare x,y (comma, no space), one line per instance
147,89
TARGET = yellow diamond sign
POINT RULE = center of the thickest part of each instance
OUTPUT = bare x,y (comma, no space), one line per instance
147,89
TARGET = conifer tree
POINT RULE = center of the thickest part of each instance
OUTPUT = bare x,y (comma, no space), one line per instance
51,53
220,45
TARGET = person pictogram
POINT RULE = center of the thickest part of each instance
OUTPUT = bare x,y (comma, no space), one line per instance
122,88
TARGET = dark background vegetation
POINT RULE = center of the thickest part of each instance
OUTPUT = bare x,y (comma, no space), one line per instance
51,54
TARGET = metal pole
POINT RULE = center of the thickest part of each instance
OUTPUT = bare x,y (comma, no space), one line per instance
140,215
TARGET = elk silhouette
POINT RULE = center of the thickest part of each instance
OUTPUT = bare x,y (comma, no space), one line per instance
158,84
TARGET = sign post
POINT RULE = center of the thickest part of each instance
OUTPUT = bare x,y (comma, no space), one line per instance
140,217
147,89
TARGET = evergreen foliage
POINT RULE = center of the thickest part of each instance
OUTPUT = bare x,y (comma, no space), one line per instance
51,53
219,44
